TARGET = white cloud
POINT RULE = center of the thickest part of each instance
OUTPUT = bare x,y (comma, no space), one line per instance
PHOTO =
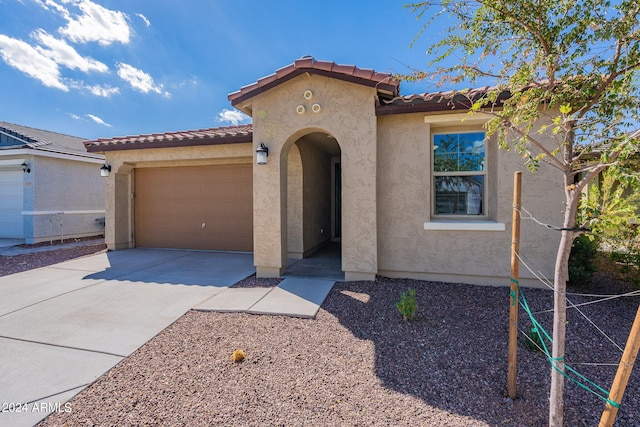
144,18
139,80
98,120
64,54
50,4
97,90
74,116
94,23
31,61
104,91
232,116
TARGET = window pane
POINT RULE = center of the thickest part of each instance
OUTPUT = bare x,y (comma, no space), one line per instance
458,152
459,195
471,151
445,153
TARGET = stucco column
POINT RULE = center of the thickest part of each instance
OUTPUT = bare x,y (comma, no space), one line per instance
270,215
359,208
118,218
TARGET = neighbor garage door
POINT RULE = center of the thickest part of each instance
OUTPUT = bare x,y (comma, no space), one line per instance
11,194
195,207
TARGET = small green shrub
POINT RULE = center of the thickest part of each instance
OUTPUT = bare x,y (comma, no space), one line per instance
407,304
627,266
533,340
582,261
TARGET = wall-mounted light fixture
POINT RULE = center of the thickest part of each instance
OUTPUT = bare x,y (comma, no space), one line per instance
105,169
25,167
261,154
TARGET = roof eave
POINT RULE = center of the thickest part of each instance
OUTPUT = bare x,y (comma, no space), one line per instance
439,103
94,147
239,96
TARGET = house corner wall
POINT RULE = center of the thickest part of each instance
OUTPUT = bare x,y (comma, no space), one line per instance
66,199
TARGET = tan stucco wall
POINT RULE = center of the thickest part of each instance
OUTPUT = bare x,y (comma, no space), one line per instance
295,244
406,249
119,231
347,113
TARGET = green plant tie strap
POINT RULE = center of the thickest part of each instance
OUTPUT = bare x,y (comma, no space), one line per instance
537,327
612,403
514,294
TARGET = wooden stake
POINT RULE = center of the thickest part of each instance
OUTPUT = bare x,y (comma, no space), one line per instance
515,276
622,375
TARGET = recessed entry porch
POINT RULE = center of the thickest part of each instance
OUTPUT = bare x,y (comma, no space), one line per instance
314,207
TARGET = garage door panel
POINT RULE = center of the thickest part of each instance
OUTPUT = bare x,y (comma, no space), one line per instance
195,207
11,203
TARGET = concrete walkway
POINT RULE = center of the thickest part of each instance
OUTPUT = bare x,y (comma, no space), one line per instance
63,326
306,284
294,296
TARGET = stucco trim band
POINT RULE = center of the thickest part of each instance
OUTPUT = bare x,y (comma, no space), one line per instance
77,212
79,157
464,226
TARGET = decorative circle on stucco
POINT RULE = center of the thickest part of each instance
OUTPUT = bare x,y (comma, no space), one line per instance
316,108
308,95
300,109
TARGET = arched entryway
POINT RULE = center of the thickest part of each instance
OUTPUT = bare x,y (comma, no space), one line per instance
314,206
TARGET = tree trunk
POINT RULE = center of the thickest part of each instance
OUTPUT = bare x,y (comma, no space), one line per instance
556,402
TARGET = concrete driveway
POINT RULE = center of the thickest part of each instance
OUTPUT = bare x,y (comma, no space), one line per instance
63,326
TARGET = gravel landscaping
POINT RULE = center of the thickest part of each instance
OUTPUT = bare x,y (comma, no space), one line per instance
24,262
359,364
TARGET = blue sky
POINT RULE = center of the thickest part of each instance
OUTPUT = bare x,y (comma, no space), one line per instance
100,68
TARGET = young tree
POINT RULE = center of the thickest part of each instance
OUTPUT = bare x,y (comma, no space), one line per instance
570,65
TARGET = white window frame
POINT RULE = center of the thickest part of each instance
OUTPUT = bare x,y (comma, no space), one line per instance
485,184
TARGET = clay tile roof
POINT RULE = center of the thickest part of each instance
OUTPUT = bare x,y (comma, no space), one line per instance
211,136
382,81
436,101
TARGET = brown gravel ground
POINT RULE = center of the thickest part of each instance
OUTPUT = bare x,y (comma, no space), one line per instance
18,263
359,364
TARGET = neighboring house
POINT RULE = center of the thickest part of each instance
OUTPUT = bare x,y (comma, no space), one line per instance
50,186
408,185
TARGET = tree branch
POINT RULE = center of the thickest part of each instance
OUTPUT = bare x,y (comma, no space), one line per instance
554,160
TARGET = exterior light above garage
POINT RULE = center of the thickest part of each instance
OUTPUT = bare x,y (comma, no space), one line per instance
25,167
262,154
105,169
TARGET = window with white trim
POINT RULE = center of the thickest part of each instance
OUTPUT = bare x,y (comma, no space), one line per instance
459,174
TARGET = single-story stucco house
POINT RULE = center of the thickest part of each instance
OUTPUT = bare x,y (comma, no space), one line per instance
50,186
408,185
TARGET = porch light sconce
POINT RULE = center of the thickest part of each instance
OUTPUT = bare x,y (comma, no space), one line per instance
300,109
26,168
261,154
308,95
316,108
105,169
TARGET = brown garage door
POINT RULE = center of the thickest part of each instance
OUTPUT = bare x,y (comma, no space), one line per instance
195,207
